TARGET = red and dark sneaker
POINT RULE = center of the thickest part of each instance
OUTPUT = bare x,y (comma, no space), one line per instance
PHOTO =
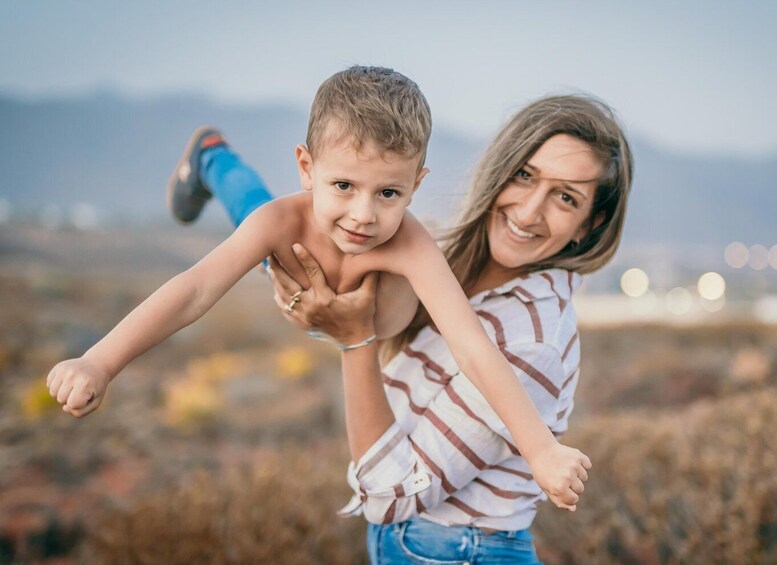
186,193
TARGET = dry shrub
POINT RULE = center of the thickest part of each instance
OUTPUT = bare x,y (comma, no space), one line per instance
35,400
191,404
294,362
697,486
282,511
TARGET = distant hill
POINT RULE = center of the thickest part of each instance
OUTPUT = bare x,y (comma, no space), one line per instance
117,153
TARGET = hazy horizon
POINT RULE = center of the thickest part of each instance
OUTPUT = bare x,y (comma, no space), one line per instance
692,77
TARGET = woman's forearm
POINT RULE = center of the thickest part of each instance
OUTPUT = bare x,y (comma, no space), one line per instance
367,411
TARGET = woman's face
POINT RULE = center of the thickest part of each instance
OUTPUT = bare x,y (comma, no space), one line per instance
545,206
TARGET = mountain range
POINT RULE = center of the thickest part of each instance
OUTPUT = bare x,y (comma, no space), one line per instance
116,154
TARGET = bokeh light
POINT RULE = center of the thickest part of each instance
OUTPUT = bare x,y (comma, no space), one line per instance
713,305
736,255
84,216
773,257
635,283
644,305
711,286
679,301
759,257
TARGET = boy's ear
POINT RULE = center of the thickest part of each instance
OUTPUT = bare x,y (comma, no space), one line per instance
419,178
304,166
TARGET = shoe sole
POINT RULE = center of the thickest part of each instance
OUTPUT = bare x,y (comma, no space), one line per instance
191,145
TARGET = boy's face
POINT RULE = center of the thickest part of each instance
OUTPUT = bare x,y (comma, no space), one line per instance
359,197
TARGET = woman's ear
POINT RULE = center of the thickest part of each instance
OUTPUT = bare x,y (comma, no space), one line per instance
598,220
587,227
304,166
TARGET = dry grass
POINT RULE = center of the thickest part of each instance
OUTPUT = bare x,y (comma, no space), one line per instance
691,486
280,511
225,445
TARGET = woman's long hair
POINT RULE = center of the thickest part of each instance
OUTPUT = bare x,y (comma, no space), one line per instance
583,117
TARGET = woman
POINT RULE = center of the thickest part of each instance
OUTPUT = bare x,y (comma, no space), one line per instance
435,471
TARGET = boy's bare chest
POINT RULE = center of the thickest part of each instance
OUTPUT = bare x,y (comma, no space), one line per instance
343,273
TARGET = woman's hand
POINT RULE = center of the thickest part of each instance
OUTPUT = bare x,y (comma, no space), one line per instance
348,318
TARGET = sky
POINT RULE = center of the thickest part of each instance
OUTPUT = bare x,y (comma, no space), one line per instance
691,76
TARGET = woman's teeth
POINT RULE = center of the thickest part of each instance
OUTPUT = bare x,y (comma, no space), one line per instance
518,231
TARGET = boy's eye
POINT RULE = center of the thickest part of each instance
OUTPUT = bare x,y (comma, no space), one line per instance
389,193
342,185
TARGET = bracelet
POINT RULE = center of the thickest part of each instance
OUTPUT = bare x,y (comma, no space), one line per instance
321,336
367,341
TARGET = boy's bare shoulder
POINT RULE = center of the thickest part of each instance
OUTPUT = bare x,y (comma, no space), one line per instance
411,232
410,243
282,217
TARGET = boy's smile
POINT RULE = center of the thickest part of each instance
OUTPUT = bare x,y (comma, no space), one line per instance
359,196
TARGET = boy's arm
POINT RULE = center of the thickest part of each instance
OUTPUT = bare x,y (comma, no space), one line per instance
556,468
79,384
395,305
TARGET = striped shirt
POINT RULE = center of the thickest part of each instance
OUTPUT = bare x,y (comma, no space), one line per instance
448,457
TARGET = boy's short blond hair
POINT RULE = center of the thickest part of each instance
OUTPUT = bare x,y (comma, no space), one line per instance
372,104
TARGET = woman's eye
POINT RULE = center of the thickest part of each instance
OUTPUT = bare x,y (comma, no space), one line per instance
389,193
523,176
342,185
568,199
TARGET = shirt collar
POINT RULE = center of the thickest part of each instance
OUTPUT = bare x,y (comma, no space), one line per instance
535,286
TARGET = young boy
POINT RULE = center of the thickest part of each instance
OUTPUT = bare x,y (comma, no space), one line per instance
366,143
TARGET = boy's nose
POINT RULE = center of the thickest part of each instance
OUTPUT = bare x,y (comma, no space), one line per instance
363,211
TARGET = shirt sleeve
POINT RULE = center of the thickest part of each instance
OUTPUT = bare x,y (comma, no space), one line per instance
456,437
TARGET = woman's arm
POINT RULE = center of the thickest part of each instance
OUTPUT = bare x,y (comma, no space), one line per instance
349,319
396,475
393,480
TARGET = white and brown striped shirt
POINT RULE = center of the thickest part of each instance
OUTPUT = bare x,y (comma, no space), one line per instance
448,457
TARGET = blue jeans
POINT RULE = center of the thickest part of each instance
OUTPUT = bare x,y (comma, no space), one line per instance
239,188
421,542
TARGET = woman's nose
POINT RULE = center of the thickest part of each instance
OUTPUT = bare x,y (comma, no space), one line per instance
531,208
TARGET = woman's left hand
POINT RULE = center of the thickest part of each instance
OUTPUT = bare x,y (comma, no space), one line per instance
348,318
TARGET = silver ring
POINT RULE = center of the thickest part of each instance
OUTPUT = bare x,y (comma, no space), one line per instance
294,299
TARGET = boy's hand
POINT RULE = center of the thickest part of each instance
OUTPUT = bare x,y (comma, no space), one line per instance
560,471
78,385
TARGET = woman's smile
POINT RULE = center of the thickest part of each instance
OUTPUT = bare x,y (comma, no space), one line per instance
513,227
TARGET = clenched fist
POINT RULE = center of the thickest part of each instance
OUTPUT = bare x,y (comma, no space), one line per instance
78,385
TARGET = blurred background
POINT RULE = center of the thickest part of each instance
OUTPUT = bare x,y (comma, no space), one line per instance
225,444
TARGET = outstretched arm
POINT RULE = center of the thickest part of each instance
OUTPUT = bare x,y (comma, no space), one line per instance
557,469
79,384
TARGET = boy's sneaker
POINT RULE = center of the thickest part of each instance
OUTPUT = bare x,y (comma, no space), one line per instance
186,193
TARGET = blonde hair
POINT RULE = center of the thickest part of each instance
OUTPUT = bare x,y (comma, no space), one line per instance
372,104
583,117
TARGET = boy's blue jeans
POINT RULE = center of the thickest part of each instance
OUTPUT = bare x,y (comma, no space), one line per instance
420,541
239,187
